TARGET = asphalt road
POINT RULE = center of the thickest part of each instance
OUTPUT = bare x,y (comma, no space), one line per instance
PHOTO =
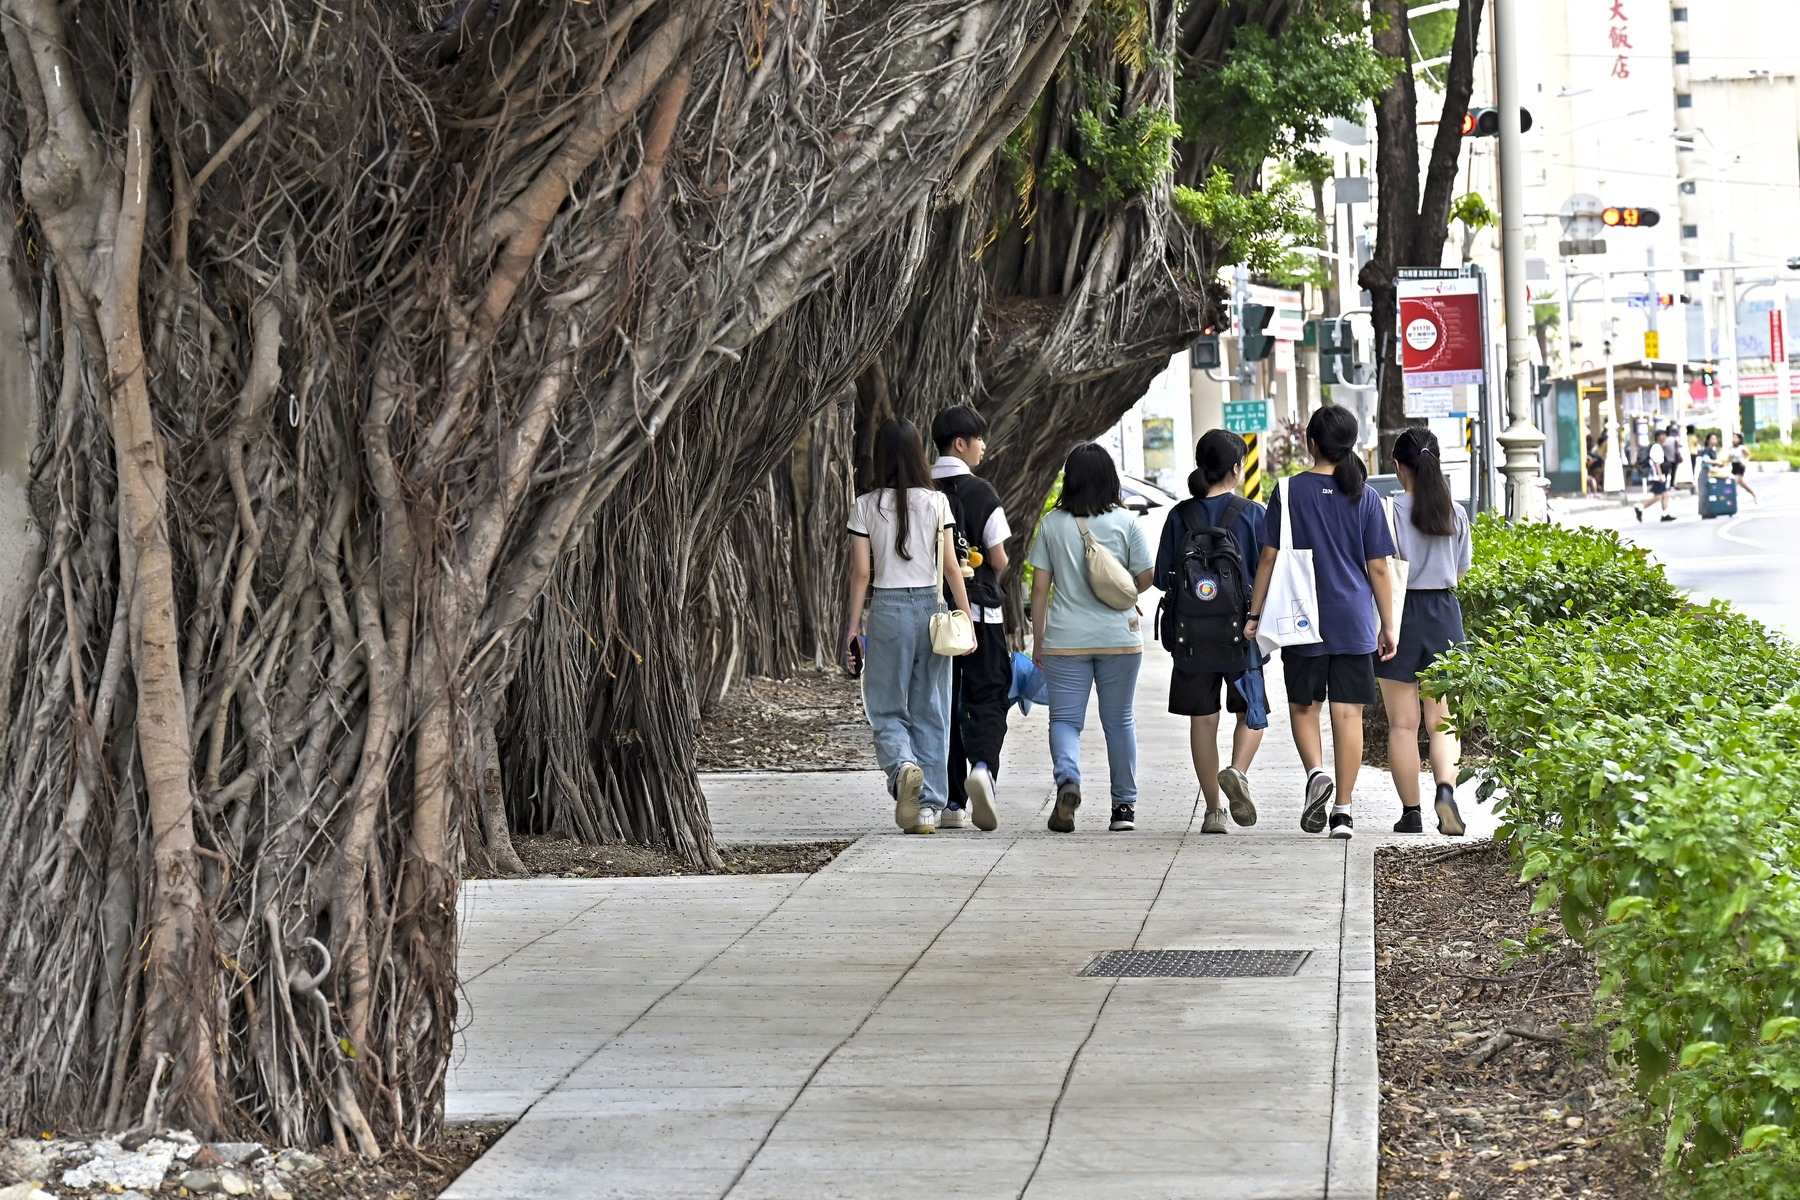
1752,559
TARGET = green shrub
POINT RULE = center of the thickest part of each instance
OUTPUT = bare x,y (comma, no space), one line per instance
1788,452
1648,754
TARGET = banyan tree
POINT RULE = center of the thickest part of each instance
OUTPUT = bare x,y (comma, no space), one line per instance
358,359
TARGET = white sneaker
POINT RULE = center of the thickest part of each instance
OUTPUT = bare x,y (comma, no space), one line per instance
909,785
953,818
979,787
928,818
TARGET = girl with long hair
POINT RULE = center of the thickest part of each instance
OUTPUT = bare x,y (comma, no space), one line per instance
1082,645
1433,537
902,543
1334,513
1216,658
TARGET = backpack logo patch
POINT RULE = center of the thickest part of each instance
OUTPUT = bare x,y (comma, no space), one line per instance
1206,588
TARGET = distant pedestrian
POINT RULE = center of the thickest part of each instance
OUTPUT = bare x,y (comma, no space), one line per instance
1432,533
1710,451
1206,566
1659,476
982,681
1678,457
1334,513
1740,465
1082,644
901,542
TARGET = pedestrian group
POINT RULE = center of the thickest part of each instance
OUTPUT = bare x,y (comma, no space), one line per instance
1356,593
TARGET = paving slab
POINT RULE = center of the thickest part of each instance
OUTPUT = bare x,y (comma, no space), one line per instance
910,1021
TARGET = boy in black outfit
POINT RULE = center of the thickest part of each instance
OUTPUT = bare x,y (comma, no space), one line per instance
979,696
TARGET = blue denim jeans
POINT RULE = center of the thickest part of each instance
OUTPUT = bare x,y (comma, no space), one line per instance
1071,679
906,689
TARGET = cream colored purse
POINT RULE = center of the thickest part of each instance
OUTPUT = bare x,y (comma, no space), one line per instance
952,633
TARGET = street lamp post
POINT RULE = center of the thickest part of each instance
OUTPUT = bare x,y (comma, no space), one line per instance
1521,440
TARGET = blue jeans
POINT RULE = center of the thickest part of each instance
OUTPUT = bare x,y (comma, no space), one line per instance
906,689
1071,679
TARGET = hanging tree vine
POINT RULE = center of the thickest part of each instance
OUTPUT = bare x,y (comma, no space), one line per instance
343,325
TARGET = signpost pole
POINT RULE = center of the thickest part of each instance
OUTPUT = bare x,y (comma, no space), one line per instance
1615,450
1522,440
1784,379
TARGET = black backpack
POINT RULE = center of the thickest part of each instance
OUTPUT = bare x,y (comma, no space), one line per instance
1201,619
984,589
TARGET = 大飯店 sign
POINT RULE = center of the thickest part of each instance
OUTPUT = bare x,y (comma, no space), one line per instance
1440,332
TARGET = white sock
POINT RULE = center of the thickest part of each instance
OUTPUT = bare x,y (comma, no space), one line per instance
1340,808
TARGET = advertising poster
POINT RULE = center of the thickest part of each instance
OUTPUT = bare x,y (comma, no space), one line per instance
1440,333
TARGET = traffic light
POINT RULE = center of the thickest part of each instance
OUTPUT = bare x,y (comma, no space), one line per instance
1485,122
1258,344
1337,351
1666,300
1205,352
1709,376
1630,218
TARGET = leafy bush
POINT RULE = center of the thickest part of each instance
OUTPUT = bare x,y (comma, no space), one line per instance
1649,753
1545,573
1787,452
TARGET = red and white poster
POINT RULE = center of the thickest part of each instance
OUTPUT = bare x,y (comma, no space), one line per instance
1777,335
1440,332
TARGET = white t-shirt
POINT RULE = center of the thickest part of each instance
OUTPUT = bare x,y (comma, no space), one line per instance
874,516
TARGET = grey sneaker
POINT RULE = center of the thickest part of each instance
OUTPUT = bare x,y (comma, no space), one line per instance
1068,799
909,785
953,818
1214,821
980,789
1236,786
1319,790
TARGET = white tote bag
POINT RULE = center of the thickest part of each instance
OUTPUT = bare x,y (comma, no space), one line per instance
952,635
1290,611
1399,571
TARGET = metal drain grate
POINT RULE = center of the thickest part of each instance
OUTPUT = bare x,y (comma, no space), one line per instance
1195,964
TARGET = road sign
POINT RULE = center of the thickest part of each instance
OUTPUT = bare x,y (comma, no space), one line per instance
1249,416
1652,344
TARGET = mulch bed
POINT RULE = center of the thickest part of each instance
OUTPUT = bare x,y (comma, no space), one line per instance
812,721
1469,1110
400,1175
567,859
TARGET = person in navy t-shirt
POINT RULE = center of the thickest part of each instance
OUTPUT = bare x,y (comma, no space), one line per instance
1340,518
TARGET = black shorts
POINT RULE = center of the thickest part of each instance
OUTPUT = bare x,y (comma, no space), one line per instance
1431,625
1739,470
1196,693
1340,678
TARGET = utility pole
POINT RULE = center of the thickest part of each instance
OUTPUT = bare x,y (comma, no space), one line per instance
1522,440
1612,474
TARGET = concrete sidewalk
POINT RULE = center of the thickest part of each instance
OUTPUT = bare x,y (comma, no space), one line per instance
911,1022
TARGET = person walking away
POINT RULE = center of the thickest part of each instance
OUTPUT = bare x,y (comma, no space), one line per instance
1740,465
901,543
1432,534
1083,645
1337,515
1658,477
981,683
1205,568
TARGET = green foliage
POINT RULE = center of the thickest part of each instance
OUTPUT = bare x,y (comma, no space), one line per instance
1473,212
1272,95
1647,754
1258,229
1432,34
1114,159
1788,452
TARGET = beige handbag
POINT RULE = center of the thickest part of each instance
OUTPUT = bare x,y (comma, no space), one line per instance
1399,571
952,633
1107,577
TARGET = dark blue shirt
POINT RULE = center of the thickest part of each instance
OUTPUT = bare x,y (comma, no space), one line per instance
1247,531
1343,534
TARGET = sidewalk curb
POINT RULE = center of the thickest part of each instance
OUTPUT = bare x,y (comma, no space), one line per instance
1353,1164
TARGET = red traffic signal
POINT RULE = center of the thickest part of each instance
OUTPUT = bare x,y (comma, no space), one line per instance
1485,122
1630,218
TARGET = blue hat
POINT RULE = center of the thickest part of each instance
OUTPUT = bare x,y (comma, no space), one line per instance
1028,684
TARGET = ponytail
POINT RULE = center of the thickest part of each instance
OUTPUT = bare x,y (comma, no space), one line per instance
1215,457
1332,432
1433,510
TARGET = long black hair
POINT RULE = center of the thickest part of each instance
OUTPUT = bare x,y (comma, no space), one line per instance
1332,433
1433,511
1090,482
1217,452
900,464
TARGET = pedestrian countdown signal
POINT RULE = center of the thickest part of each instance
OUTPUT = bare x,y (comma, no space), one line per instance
1630,218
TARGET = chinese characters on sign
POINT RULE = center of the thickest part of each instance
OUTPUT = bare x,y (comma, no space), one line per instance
1619,34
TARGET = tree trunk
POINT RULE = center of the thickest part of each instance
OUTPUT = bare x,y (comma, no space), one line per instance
346,332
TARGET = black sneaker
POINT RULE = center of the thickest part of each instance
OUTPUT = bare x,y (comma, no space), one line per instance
1670,517
1640,513
1409,821
1068,799
1319,790
1450,822
1342,826
1124,818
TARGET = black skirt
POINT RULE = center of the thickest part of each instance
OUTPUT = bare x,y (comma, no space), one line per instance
1431,625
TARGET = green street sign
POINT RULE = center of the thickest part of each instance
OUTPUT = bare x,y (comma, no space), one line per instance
1249,416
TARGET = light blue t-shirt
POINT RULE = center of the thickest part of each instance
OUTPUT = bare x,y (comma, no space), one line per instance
1077,620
